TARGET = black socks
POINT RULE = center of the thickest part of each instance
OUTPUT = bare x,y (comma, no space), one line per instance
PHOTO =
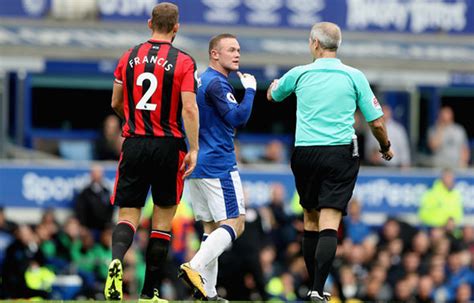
122,238
325,252
310,241
156,254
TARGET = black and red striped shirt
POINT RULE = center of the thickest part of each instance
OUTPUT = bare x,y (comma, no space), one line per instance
153,75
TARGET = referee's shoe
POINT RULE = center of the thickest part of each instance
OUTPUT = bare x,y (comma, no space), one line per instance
194,280
113,284
316,297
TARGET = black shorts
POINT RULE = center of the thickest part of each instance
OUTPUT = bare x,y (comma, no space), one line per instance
145,162
325,176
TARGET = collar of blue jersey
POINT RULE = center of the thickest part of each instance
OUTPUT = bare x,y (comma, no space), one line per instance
217,72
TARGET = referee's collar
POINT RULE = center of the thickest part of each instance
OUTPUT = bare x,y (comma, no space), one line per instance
327,60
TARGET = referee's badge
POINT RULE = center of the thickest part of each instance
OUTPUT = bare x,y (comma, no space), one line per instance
231,97
375,103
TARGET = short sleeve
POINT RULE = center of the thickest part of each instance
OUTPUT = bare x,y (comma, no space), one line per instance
366,100
118,73
286,85
189,82
222,96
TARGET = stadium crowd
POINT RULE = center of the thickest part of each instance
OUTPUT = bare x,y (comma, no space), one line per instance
395,261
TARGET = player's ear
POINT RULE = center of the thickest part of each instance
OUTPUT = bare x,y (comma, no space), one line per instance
175,28
214,54
150,25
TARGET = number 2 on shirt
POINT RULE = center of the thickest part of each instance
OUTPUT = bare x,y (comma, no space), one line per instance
142,104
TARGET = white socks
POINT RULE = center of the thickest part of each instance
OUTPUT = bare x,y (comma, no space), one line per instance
205,260
210,275
213,247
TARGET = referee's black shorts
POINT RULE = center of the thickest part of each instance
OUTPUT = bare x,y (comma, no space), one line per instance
325,176
145,162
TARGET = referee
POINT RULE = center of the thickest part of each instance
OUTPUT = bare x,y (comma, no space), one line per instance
325,162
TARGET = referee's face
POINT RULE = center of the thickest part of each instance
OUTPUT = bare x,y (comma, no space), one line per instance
229,54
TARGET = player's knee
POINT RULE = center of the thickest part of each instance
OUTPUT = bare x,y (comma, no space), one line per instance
329,218
240,226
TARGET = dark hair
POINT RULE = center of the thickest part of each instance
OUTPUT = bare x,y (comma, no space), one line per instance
216,39
164,17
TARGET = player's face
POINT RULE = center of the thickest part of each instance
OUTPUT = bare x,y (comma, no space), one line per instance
229,54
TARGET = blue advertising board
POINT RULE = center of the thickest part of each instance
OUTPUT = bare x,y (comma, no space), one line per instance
25,8
407,16
358,15
379,191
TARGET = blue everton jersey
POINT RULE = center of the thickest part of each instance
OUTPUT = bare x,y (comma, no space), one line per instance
219,115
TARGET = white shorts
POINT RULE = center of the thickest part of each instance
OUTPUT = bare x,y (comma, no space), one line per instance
217,199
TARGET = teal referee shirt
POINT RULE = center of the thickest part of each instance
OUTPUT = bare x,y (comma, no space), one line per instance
328,93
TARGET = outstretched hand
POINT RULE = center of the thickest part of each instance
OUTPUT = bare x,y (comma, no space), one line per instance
248,81
272,86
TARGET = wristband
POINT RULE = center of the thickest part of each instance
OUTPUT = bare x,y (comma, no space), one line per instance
386,148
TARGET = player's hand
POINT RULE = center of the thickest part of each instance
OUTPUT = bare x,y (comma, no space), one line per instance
272,86
387,155
189,163
248,81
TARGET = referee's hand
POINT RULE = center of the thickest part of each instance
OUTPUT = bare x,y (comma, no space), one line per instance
387,155
189,163
272,86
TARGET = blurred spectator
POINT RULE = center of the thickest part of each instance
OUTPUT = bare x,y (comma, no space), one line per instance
282,231
468,238
464,293
103,251
403,292
458,273
410,264
133,273
441,203
241,273
424,290
48,219
274,152
390,231
92,205
448,141
22,254
85,263
398,139
109,143
281,288
354,228
371,290
6,226
66,241
349,284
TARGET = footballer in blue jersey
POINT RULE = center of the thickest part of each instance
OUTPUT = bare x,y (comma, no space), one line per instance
215,188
